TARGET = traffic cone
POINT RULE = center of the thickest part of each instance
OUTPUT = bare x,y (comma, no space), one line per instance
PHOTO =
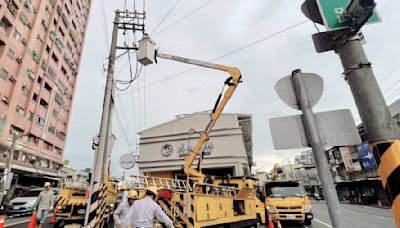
53,218
2,220
270,223
87,195
32,223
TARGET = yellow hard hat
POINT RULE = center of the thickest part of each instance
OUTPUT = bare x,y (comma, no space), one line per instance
152,189
47,184
124,186
133,194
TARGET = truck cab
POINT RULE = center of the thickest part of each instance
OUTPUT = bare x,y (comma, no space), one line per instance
287,200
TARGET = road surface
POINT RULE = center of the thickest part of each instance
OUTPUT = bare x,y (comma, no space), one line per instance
354,216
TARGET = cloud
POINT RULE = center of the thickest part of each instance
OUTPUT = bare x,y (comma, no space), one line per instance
218,28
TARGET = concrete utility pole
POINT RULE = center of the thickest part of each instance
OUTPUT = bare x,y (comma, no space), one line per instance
382,131
7,169
314,138
105,127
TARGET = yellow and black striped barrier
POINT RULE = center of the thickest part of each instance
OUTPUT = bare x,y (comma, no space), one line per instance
387,156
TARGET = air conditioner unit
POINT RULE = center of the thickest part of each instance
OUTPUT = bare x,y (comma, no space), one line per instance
12,78
19,59
24,41
5,99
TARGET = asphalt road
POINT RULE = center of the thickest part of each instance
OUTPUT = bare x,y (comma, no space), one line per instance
353,215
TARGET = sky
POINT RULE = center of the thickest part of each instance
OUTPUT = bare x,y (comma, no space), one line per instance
218,28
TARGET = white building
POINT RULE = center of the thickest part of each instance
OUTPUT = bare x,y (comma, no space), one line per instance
229,150
73,174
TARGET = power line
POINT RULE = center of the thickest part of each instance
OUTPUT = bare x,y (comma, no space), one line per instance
165,17
222,56
105,29
182,18
123,130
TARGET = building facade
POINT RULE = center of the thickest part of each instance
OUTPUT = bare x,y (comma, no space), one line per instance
81,176
163,148
355,172
41,43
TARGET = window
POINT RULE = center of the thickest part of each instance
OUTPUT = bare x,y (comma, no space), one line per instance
69,47
40,121
47,87
47,49
5,24
30,116
54,113
20,110
15,130
62,135
55,22
58,150
54,57
10,54
25,90
44,104
39,80
32,138
63,70
16,155
3,74
35,97
48,146
61,31
51,129
12,7
44,163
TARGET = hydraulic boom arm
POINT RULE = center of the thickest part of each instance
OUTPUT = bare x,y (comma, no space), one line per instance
148,54
232,83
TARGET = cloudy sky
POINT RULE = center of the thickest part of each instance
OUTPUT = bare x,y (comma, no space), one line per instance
218,28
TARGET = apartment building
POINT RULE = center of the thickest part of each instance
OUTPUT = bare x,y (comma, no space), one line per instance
41,43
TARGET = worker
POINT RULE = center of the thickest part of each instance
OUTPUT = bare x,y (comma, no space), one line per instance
123,209
143,212
44,203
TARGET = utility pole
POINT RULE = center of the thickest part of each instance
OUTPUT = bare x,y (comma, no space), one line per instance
314,138
382,131
8,175
105,128
124,20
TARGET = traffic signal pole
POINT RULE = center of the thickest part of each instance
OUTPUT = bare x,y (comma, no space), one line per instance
382,131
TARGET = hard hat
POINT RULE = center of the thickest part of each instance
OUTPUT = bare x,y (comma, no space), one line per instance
47,184
152,189
124,186
133,194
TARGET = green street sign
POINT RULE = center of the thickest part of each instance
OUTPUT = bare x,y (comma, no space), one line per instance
333,14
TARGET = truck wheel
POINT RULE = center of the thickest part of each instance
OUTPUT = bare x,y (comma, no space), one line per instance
307,222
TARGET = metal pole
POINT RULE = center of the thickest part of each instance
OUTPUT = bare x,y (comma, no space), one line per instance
315,141
8,167
105,119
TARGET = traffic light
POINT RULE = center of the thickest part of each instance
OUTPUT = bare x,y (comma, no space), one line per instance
359,12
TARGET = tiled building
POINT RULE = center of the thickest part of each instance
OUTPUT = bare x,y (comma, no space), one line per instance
41,43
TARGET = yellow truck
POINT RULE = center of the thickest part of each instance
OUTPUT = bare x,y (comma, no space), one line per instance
287,201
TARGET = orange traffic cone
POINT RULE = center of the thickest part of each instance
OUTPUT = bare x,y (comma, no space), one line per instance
2,220
87,195
270,223
32,223
53,218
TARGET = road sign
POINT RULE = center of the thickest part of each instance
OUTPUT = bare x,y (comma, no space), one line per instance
127,161
334,16
337,128
314,85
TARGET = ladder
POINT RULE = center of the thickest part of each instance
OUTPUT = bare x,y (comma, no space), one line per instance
139,181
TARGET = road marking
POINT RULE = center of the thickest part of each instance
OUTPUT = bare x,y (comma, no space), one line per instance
365,214
17,223
323,223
